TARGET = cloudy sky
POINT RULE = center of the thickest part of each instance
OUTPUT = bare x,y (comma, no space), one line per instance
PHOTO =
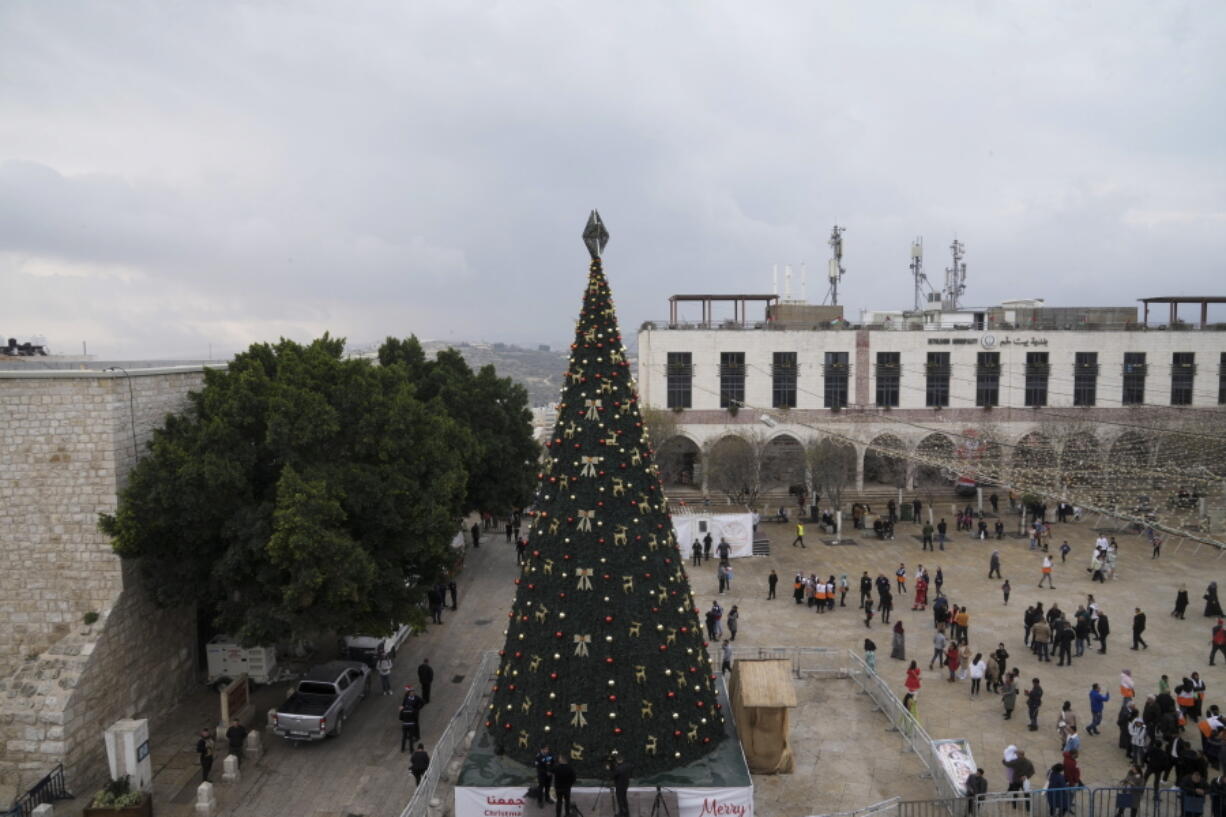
175,175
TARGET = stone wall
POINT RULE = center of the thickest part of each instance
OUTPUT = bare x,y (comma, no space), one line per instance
66,444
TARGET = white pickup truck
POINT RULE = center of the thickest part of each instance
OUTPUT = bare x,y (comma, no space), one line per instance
324,698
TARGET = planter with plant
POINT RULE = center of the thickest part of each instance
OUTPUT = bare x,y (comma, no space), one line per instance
117,799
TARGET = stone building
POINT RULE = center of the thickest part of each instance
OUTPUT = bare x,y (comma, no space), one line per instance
1009,385
68,439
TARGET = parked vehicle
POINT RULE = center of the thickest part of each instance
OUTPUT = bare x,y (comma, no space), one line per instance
365,648
325,697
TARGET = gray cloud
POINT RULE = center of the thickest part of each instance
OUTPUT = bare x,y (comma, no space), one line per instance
175,175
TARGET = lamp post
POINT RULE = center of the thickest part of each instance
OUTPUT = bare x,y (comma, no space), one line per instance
131,409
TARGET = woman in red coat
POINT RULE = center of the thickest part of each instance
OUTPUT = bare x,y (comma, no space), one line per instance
952,659
913,679
921,594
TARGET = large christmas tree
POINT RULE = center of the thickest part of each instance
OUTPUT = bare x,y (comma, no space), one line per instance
604,649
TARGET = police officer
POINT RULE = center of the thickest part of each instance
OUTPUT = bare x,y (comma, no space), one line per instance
544,773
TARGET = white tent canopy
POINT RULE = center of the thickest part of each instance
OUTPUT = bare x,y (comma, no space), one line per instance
734,528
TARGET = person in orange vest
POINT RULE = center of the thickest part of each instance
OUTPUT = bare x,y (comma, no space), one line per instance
1127,688
1218,640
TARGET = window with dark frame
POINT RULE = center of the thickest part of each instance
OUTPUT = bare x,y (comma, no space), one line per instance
937,380
1085,378
1183,374
731,379
680,372
987,379
783,380
836,367
1134,379
1037,374
889,378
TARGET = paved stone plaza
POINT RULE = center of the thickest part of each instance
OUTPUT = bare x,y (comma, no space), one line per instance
845,755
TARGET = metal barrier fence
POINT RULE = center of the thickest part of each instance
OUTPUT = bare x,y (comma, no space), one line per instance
820,662
461,722
916,737
1081,802
886,808
47,790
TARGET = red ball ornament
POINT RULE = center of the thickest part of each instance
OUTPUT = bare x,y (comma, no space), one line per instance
676,732
613,698
600,503
663,648
519,654
558,634
507,726
548,713
502,652
672,694
536,553
553,676
607,620
566,557
617,730
609,660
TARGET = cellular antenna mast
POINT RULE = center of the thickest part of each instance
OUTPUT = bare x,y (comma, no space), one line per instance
836,263
955,277
917,272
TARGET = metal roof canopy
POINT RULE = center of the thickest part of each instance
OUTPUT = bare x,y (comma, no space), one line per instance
1176,300
739,305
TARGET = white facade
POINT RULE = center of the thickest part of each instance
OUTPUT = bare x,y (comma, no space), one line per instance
963,346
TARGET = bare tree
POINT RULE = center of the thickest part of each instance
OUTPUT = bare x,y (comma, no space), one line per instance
734,466
833,466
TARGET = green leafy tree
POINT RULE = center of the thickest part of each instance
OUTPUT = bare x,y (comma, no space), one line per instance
604,647
299,491
493,409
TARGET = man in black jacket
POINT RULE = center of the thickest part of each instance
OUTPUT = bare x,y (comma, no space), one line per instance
1104,630
1034,699
419,761
563,780
866,589
1138,627
425,674
621,784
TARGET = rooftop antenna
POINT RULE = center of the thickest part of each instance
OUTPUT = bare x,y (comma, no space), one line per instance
836,270
955,277
917,271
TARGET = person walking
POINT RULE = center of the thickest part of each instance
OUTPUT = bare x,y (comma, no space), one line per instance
521,550
1040,638
898,645
926,537
725,658
1098,700
1217,640
844,586
410,728
887,606
453,590
866,589
868,613
870,655
975,786
734,621
771,582
1104,630
913,683
1058,799
1066,727
696,553
1212,606
419,761
953,660
1138,627
942,529
384,667
236,735
1005,590
900,576
1034,700
1181,602
1047,568
476,532
994,565
707,542
939,643
204,748
800,535
723,581
1128,688
425,675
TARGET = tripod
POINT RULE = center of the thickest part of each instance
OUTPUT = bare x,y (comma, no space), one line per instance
606,787
659,805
